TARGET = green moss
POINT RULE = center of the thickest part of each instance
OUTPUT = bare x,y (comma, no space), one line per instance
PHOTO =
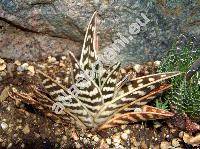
185,96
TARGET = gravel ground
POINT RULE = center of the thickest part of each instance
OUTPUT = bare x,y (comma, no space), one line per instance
22,126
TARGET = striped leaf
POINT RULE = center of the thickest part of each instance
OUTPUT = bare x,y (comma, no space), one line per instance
89,93
146,113
136,88
89,56
109,80
72,104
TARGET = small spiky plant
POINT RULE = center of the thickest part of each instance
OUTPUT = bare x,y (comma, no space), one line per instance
185,95
103,101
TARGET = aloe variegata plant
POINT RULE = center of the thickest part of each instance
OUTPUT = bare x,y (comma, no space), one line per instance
104,101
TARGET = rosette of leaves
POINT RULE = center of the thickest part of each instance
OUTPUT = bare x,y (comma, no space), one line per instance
185,95
103,100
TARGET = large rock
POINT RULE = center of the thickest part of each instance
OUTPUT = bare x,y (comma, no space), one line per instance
18,44
53,26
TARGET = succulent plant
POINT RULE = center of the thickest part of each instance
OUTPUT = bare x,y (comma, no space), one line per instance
102,100
185,95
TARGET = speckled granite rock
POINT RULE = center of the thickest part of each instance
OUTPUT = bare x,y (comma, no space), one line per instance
68,19
18,44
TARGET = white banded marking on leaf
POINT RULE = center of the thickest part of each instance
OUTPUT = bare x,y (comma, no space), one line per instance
141,93
114,106
108,96
111,80
86,62
108,88
57,92
128,99
92,107
92,54
94,92
120,122
139,81
138,115
65,100
151,97
83,85
164,75
94,100
87,38
140,85
45,81
142,103
131,119
81,112
121,92
151,87
83,92
150,116
151,79
93,28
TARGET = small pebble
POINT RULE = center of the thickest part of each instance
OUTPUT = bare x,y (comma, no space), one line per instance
78,145
137,68
109,141
157,124
66,80
26,129
157,63
23,145
63,57
51,59
25,66
89,135
123,127
127,131
124,136
31,69
116,139
4,126
61,64
17,62
144,145
165,145
37,135
64,138
181,134
95,138
1,61
173,130
175,142
2,67
3,73
1,140
167,136
9,145
85,141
